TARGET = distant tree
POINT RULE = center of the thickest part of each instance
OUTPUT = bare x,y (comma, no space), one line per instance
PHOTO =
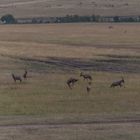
8,19
76,18
98,18
34,20
130,19
93,17
116,19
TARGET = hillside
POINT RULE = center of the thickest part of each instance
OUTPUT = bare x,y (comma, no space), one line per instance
39,8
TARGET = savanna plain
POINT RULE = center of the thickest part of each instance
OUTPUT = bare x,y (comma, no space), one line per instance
43,107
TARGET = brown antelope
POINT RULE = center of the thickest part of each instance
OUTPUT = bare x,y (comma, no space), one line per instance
25,74
71,82
118,83
88,87
16,78
86,76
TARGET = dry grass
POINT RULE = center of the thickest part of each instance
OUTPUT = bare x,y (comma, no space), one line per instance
44,49
35,8
72,132
52,54
91,39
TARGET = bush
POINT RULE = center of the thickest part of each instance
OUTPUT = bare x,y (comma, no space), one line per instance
116,19
8,19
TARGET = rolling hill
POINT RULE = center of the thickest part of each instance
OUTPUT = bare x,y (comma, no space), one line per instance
44,8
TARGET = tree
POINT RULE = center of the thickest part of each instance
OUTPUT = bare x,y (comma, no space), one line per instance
8,19
93,17
116,19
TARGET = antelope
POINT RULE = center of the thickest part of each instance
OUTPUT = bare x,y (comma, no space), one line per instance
118,83
86,76
16,78
25,74
88,87
71,82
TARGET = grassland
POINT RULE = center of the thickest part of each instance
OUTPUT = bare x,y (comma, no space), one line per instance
39,8
53,53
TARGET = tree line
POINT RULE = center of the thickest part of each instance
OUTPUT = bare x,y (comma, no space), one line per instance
10,19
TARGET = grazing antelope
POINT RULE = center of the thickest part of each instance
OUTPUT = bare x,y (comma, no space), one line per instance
71,82
110,27
25,74
88,87
86,76
118,83
16,78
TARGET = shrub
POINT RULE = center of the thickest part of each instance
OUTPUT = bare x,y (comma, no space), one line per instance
8,19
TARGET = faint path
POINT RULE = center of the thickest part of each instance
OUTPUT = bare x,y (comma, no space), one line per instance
97,130
96,122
